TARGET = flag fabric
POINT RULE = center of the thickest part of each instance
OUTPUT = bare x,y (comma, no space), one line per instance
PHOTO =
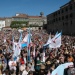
49,41
24,41
28,44
15,49
20,39
25,38
56,33
17,46
56,41
24,45
47,44
13,44
60,69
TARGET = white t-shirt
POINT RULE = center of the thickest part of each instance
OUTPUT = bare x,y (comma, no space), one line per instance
11,66
24,72
22,67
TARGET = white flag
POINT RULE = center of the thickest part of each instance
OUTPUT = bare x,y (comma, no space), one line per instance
49,41
56,41
17,49
60,69
25,38
13,44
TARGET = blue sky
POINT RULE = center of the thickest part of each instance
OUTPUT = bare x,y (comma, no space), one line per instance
9,8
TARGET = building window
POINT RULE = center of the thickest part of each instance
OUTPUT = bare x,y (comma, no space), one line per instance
71,15
63,23
66,23
62,17
59,19
70,7
71,22
54,14
66,16
58,12
74,4
66,9
62,11
56,19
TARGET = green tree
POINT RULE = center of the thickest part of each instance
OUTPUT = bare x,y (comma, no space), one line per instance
18,24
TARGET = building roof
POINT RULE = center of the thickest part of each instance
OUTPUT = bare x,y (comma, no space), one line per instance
2,18
34,16
7,27
7,17
20,16
67,4
26,16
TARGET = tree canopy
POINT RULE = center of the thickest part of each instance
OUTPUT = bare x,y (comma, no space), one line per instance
18,24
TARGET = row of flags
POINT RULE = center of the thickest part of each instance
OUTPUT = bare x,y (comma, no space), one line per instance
54,42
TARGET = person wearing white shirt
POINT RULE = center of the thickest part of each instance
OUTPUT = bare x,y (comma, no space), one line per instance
12,64
25,72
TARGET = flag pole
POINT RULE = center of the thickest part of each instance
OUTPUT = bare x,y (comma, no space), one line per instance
28,46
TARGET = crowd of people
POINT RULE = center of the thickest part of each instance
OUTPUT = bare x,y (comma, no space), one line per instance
20,64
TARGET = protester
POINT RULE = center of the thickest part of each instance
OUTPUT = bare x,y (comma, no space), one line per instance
18,63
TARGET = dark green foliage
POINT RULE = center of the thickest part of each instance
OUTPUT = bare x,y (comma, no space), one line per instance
18,24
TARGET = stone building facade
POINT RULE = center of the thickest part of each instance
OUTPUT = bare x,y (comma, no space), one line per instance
2,23
36,21
32,20
62,19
